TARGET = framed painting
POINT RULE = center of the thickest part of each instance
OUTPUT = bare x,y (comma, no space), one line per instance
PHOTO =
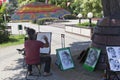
65,60
92,58
113,53
40,37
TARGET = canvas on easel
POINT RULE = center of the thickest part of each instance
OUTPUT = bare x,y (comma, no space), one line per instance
92,58
40,37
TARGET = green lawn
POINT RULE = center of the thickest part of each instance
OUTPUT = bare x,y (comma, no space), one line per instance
14,40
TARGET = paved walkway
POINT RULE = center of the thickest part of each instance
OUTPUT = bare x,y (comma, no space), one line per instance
11,67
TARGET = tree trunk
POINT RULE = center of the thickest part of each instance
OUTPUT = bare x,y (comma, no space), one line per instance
110,7
107,30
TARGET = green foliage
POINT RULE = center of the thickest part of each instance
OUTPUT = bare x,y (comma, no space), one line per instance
75,6
13,40
93,6
34,21
3,8
4,36
21,2
42,21
80,6
86,24
70,17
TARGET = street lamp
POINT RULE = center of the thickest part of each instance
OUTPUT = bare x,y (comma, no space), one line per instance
90,15
4,19
80,17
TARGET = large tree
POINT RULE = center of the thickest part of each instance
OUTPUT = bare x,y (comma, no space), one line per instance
93,6
110,7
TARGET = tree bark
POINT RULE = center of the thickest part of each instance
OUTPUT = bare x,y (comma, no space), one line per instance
110,7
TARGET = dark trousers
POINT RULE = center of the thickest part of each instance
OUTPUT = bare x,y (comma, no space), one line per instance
46,60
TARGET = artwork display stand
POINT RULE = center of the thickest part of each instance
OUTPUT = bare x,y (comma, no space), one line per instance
57,62
63,40
110,74
64,59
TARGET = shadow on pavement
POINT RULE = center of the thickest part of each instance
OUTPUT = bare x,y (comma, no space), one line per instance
78,73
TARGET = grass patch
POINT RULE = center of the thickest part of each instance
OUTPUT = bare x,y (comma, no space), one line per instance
86,24
13,40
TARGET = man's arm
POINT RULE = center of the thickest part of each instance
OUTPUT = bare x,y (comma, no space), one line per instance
46,44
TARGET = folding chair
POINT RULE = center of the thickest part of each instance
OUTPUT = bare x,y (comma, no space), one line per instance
32,55
22,52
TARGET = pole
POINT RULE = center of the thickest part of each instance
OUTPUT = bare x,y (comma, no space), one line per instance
79,20
5,19
90,22
38,28
63,40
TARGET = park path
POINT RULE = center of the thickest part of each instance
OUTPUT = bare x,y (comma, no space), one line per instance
11,67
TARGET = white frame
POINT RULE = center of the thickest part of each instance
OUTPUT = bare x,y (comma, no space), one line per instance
62,65
39,38
114,56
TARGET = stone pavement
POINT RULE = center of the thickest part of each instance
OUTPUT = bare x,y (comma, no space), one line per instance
11,63
12,69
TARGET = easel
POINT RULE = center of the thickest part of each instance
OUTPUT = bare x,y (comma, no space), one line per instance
110,75
63,46
63,40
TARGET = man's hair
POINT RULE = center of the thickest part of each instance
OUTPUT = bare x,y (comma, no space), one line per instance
31,33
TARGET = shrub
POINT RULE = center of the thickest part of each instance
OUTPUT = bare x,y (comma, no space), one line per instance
4,36
70,17
42,21
86,24
34,21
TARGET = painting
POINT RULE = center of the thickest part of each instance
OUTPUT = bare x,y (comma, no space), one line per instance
64,58
113,53
40,37
92,58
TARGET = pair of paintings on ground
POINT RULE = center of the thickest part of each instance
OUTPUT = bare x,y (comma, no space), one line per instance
65,61
113,55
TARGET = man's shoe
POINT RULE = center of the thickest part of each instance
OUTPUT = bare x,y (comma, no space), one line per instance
30,74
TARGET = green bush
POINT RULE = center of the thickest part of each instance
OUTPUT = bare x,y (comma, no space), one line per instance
42,21
34,21
13,40
70,17
4,36
86,24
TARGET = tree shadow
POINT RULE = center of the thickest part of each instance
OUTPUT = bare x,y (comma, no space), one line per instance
78,72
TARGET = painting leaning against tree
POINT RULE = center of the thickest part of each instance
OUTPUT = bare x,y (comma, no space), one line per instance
92,58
